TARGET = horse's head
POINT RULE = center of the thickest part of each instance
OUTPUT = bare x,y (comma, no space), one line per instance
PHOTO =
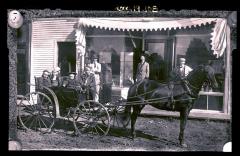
210,74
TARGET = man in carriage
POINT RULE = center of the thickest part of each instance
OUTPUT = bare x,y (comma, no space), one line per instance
72,82
44,80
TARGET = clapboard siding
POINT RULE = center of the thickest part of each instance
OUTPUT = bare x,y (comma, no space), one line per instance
45,34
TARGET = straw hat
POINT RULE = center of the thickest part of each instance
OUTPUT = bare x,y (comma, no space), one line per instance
74,73
56,69
182,59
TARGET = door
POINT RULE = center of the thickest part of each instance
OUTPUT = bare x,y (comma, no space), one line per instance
67,57
161,55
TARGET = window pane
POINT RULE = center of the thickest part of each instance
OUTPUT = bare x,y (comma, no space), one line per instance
201,103
126,68
215,103
157,48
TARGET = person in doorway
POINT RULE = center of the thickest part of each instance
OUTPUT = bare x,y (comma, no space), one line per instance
96,69
142,70
64,65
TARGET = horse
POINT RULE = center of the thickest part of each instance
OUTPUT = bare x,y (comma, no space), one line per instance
150,92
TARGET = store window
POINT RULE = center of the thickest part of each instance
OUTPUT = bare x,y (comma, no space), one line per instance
126,62
209,98
212,98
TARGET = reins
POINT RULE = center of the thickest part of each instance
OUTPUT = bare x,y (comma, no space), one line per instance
146,92
150,101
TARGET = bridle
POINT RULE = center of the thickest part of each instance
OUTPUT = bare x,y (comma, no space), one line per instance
193,88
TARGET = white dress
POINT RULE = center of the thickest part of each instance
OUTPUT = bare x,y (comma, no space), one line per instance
96,69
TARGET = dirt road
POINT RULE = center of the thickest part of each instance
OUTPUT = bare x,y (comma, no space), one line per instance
153,134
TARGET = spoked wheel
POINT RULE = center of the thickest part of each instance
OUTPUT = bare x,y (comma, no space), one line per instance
36,112
89,116
117,112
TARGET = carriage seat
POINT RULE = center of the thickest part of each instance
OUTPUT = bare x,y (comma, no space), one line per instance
39,83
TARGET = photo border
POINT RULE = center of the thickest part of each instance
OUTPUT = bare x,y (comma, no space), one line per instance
31,14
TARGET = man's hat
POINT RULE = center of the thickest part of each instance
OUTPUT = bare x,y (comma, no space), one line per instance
56,69
74,73
182,59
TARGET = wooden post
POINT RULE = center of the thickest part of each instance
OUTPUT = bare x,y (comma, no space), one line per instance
80,48
12,122
227,85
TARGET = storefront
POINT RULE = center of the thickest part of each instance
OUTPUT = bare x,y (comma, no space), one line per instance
70,43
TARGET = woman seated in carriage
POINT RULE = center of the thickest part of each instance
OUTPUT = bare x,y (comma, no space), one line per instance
56,79
48,80
76,89
84,84
43,81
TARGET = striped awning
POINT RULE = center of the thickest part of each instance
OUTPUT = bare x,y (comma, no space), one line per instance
144,24
218,36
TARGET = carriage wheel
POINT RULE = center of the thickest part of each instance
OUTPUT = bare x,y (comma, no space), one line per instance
88,117
117,109
36,111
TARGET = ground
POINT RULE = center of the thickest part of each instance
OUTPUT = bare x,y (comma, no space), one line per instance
153,134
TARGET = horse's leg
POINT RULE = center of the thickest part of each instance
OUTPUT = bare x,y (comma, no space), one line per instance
135,113
127,114
183,121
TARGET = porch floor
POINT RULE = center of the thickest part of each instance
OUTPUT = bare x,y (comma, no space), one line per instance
194,114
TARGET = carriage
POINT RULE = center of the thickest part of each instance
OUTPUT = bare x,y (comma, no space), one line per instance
40,110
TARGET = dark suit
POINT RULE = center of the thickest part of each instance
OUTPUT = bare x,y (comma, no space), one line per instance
73,84
57,82
42,81
89,84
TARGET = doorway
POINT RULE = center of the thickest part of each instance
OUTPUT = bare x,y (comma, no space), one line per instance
161,55
67,57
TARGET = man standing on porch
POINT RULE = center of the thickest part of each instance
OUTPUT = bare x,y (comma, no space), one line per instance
96,69
182,70
179,73
142,70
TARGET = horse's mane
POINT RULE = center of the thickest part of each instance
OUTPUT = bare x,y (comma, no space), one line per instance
195,70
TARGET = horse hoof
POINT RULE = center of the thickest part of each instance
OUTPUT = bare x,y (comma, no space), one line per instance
184,145
133,136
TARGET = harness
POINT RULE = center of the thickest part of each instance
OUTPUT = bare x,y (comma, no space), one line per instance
190,87
170,96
